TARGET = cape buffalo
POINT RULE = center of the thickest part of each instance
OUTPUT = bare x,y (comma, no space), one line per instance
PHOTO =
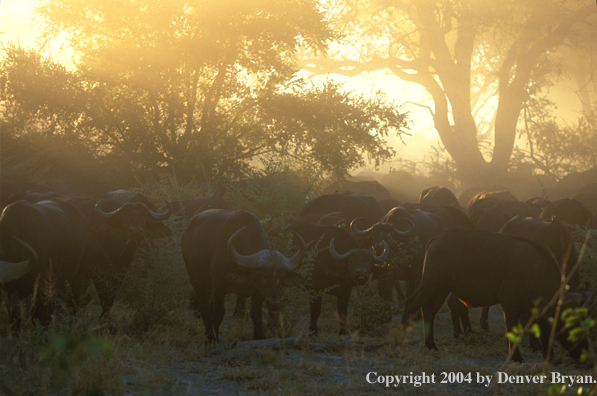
438,196
504,195
120,222
554,235
569,211
50,236
14,191
482,269
489,219
339,265
400,224
345,207
227,251
191,207
367,187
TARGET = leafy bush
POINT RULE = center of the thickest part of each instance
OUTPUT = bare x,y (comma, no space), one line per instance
371,311
277,191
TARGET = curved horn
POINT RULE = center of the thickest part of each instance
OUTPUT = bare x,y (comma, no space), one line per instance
100,212
251,261
162,216
335,254
384,256
293,262
407,232
355,230
13,271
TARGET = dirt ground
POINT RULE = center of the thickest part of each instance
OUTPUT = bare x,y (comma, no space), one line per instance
330,364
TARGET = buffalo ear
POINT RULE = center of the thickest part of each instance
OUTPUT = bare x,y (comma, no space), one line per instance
238,276
292,279
381,273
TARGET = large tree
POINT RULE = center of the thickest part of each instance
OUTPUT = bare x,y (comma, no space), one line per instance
468,55
202,87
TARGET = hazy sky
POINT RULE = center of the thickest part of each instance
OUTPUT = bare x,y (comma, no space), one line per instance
16,24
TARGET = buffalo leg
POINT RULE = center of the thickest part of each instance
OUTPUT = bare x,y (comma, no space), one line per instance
218,310
201,307
315,308
239,308
343,298
257,317
385,289
484,322
511,318
14,311
42,310
106,286
539,344
429,310
410,311
459,314
399,294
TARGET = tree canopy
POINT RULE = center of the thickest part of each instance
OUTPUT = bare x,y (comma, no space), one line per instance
469,56
200,88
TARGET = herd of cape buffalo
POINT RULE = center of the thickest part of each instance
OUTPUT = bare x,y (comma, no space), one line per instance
497,250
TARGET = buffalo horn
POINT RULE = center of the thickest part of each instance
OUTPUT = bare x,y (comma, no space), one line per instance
251,261
13,271
383,257
100,212
335,254
162,216
355,230
293,262
407,232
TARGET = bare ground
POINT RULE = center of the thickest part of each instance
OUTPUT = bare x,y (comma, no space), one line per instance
332,364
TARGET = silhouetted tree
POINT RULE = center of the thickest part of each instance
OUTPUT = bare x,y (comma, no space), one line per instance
467,55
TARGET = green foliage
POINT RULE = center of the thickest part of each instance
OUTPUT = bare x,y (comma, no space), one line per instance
556,148
199,89
371,311
402,253
578,321
156,284
71,347
535,330
514,335
274,191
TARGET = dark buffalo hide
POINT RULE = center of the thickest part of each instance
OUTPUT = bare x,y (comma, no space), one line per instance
569,211
482,269
339,265
120,222
228,252
438,196
342,207
368,187
54,235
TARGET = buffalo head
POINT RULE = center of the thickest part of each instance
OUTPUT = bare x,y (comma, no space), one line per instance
135,218
358,264
266,270
382,230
